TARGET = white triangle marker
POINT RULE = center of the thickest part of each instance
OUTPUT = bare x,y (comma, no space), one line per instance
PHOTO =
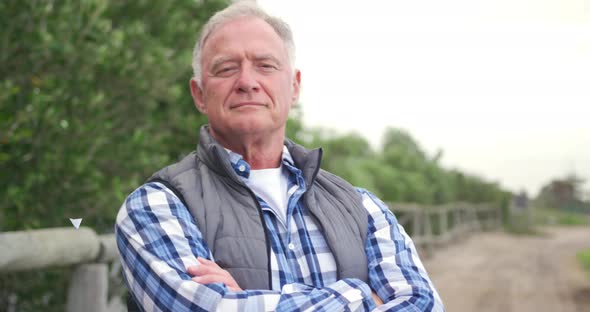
76,222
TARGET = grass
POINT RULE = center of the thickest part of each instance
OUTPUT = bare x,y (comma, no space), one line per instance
521,223
584,259
556,217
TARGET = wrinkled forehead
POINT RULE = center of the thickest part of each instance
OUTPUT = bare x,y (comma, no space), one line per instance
241,36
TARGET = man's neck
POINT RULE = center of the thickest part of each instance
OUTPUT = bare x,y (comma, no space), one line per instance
261,152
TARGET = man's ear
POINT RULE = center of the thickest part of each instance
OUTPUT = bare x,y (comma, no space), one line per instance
296,86
198,97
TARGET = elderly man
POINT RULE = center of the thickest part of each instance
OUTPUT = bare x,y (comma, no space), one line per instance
249,221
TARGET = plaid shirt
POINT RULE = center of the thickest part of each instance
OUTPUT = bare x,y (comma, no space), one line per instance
158,239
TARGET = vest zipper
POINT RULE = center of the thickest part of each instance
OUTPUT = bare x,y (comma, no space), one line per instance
266,239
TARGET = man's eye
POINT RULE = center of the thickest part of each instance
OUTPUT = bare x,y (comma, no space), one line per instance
223,71
268,66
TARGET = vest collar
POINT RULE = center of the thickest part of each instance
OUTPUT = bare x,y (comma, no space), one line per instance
308,161
214,156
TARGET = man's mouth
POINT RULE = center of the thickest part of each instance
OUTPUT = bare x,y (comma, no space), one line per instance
246,104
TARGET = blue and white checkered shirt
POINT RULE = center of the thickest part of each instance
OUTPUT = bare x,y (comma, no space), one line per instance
158,239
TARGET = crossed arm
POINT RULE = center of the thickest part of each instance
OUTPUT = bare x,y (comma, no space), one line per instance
207,272
166,268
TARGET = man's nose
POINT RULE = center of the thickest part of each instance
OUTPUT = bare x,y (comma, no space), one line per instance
247,81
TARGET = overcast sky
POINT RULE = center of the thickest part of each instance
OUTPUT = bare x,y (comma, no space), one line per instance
501,86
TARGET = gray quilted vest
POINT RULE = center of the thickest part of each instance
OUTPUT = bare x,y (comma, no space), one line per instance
230,218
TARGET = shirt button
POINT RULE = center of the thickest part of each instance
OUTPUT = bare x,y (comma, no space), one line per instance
242,168
291,246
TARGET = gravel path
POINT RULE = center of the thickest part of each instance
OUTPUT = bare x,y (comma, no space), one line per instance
501,272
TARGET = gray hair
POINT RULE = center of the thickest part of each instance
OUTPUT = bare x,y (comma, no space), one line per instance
234,11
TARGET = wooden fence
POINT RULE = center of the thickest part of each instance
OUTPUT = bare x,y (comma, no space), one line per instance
57,247
436,226
88,291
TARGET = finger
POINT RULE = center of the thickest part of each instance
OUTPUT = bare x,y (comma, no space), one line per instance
207,262
229,282
215,268
204,269
376,299
212,278
208,267
192,270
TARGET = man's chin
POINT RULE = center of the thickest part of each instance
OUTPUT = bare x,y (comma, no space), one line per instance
247,125
254,127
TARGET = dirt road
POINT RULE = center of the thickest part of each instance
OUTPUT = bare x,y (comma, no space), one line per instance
501,272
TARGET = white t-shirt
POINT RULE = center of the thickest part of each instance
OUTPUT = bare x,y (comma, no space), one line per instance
271,185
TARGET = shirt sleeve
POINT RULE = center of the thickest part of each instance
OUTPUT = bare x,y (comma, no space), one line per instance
158,239
396,273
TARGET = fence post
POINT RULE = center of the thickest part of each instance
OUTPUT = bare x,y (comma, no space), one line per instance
416,224
428,239
457,222
475,225
443,222
491,218
463,221
88,289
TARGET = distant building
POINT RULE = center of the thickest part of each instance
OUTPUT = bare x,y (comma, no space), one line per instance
565,194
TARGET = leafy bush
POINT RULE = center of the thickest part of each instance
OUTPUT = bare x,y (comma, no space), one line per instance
94,99
584,259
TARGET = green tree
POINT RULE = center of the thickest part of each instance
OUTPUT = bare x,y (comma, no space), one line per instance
94,98
401,171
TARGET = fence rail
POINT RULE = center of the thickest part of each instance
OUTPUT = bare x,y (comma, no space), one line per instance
429,227
436,226
57,247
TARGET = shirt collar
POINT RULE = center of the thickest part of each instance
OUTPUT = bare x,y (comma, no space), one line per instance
242,168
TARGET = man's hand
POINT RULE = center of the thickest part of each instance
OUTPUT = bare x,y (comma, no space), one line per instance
209,272
376,298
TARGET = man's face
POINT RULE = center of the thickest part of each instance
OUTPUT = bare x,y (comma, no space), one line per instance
248,86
